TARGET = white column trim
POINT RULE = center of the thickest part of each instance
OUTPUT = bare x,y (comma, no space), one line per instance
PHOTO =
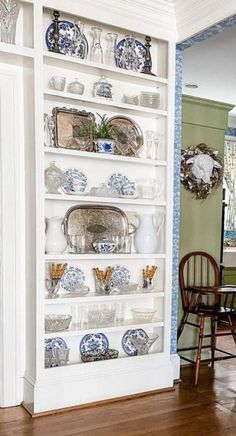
12,238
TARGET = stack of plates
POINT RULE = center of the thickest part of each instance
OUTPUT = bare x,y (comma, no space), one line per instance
150,99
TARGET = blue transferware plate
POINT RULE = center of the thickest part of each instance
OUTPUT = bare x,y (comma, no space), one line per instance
117,181
120,276
94,343
140,51
72,278
127,345
52,344
74,181
66,39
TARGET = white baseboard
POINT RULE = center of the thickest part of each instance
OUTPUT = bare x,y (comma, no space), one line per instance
176,365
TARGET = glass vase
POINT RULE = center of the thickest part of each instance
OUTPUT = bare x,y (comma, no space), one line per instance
53,178
78,44
96,54
9,10
110,55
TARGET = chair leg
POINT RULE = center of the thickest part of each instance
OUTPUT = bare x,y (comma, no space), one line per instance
213,339
182,323
232,328
199,350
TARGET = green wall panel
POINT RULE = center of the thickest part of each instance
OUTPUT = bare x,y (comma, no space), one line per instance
200,220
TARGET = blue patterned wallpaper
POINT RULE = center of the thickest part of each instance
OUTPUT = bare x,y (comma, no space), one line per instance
199,37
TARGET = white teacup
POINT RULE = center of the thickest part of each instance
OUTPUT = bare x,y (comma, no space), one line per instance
58,83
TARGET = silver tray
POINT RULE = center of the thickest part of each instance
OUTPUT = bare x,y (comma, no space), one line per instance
127,134
96,222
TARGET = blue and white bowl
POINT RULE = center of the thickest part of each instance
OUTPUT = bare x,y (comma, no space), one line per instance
104,245
74,181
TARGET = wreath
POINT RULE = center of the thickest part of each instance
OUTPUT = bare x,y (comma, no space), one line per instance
201,170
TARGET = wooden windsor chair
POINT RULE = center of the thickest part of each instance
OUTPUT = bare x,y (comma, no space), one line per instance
203,296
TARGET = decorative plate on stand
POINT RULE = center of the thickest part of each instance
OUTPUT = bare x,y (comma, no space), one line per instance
54,343
140,51
127,345
66,38
74,181
72,279
94,343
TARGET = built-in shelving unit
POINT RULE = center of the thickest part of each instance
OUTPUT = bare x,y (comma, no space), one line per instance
83,383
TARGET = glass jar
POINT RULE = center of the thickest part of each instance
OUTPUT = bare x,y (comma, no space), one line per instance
76,87
53,178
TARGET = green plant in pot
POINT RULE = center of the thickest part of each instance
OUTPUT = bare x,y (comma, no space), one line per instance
104,136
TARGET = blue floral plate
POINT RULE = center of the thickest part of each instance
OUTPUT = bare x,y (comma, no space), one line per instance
94,343
66,39
72,278
74,181
52,344
120,276
125,60
127,345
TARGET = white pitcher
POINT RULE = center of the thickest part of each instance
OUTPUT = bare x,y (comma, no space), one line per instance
146,235
55,238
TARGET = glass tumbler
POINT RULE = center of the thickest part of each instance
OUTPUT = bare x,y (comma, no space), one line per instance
96,54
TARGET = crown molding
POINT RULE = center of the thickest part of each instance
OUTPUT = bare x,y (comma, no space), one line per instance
197,15
153,17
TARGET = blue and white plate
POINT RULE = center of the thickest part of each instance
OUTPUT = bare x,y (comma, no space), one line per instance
122,184
72,278
66,39
126,61
120,276
54,343
94,343
74,181
127,345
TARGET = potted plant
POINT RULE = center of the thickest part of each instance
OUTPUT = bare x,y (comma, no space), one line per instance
104,136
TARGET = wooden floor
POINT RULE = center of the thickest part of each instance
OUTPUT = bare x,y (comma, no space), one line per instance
209,409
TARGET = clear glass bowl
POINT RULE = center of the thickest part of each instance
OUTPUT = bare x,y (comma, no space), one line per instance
57,323
143,315
143,345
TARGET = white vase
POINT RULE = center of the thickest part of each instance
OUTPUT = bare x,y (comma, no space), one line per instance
146,235
55,238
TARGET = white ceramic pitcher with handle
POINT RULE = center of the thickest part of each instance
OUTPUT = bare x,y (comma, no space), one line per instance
147,234
55,238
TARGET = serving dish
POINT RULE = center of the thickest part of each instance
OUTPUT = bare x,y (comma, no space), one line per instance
105,355
127,134
74,181
94,344
95,222
66,38
139,51
143,315
73,129
72,279
57,322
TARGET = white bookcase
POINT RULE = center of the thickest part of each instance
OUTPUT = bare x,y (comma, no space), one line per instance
79,383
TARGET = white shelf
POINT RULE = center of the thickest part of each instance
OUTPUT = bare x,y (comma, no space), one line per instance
103,156
110,200
92,101
126,325
100,298
15,53
113,72
94,256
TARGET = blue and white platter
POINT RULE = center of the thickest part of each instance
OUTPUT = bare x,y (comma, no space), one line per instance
66,39
120,276
122,185
94,343
74,182
140,51
72,278
127,345
52,344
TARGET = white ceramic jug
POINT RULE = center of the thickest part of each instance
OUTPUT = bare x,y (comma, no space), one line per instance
146,235
55,238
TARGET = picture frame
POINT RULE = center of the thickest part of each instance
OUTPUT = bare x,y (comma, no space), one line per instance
73,129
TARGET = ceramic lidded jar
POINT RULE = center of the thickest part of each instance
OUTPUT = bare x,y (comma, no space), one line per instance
102,88
53,178
55,239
